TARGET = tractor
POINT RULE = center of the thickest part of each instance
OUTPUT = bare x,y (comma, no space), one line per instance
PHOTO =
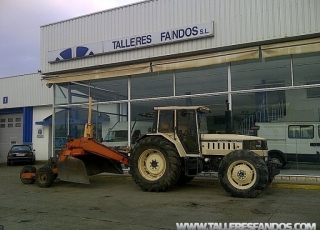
177,149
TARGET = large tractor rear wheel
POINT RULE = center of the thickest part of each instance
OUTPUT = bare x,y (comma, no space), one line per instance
243,173
155,164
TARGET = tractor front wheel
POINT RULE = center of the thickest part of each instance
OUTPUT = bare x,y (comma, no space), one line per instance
243,173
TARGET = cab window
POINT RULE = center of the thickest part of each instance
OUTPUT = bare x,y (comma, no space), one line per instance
166,121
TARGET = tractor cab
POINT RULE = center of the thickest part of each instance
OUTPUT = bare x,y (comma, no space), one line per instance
184,123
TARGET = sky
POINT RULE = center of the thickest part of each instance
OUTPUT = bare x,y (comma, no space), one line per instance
20,22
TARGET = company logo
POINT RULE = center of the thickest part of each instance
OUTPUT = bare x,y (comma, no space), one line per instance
82,51
133,42
65,55
77,52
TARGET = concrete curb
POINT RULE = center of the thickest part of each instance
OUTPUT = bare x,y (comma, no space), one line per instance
213,180
281,181
295,186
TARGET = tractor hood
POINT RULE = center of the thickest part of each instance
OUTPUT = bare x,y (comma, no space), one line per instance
228,137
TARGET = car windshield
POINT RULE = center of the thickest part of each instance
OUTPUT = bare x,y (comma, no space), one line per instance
20,148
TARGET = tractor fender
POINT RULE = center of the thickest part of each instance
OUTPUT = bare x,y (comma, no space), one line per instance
171,138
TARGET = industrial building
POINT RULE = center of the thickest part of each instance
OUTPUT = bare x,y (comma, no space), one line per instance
25,99
261,58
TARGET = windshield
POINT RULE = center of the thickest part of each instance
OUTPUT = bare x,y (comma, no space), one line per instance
117,136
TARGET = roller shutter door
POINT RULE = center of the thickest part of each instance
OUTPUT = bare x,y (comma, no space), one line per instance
11,132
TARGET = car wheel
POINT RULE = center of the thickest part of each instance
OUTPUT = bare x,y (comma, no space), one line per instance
277,159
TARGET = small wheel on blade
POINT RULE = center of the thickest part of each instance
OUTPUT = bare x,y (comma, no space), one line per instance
44,177
27,169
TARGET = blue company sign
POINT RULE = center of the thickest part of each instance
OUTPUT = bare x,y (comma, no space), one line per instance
139,41
5,100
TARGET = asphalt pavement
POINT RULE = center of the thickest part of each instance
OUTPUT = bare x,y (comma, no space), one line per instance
116,202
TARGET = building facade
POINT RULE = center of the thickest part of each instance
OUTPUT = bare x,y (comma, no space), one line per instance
262,57
25,99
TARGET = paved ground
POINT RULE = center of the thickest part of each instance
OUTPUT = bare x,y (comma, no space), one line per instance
115,202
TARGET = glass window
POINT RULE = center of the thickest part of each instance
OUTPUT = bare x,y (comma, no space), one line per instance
166,121
257,107
257,74
100,91
300,131
79,93
18,119
152,85
306,68
10,125
18,124
71,122
61,94
10,119
202,80
112,89
2,125
2,120
313,93
288,127
117,113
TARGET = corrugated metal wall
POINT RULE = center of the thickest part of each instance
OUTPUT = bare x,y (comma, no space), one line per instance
25,90
235,23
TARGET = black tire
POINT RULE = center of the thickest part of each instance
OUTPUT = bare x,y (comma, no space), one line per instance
44,177
277,158
27,169
243,173
52,163
155,164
